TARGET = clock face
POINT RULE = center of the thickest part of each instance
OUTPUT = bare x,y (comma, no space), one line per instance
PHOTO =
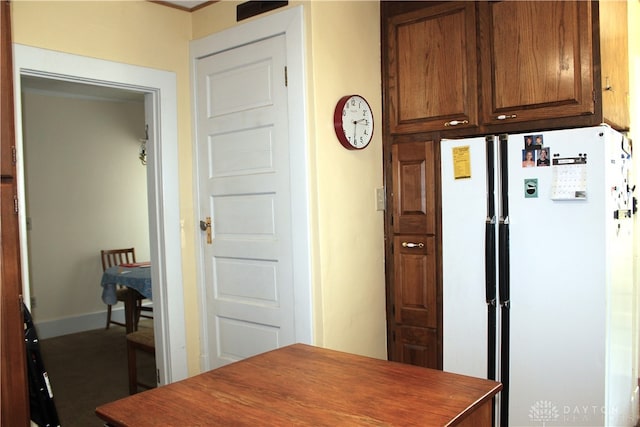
353,122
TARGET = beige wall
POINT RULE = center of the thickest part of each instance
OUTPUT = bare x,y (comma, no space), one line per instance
347,231
351,239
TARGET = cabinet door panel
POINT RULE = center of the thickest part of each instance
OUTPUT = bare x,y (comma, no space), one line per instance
539,60
417,346
414,187
614,52
415,281
431,67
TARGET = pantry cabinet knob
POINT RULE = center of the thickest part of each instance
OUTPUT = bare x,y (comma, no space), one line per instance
412,245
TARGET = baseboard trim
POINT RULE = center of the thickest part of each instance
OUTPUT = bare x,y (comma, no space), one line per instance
72,325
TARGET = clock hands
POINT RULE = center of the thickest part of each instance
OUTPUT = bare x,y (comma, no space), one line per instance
355,125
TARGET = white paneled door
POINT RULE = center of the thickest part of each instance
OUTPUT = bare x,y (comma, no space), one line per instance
244,189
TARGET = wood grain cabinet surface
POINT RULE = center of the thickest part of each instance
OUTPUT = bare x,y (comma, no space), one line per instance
432,68
469,68
537,60
414,322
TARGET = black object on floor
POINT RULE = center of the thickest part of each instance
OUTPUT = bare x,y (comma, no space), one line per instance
42,407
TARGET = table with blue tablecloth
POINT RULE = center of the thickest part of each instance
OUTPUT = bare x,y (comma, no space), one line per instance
136,278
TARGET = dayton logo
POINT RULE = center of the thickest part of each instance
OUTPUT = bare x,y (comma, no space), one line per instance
543,412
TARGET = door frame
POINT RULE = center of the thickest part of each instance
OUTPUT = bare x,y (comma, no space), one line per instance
289,22
159,88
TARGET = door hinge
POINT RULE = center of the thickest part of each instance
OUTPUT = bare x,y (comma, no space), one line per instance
15,203
13,155
286,77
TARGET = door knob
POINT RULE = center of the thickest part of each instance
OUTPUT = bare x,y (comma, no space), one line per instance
206,226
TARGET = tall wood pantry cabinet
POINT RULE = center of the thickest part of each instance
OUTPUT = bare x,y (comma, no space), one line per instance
14,393
460,68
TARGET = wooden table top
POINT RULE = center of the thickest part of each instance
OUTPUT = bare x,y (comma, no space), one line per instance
305,385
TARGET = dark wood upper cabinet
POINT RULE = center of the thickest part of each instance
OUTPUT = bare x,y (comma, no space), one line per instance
471,68
537,60
432,68
614,63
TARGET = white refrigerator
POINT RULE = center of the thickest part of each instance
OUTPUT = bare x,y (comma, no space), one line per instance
537,273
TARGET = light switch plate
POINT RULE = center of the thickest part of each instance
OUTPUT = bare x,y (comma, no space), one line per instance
380,202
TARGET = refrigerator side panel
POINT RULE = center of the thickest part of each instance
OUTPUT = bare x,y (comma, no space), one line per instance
621,401
557,242
463,246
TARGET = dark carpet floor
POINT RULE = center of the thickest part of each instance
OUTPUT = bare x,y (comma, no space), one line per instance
89,369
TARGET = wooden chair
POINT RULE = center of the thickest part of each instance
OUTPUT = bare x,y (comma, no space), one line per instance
140,340
111,257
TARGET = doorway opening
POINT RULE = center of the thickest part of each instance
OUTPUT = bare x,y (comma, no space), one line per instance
86,190
159,90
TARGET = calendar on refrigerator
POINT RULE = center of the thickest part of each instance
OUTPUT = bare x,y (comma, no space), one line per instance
569,178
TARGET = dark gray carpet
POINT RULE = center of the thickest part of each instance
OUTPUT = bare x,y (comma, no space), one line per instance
89,369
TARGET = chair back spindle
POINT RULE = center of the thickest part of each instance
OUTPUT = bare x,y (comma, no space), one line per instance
111,257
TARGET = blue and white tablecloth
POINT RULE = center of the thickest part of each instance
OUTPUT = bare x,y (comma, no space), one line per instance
138,278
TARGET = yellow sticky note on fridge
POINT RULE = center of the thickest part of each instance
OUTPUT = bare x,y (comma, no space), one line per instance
461,162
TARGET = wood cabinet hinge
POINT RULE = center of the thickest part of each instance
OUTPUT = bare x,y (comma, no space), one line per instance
13,155
286,77
15,203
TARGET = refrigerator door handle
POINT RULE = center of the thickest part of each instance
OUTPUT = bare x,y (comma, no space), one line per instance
490,224
490,261
503,262
505,315
504,278
490,292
